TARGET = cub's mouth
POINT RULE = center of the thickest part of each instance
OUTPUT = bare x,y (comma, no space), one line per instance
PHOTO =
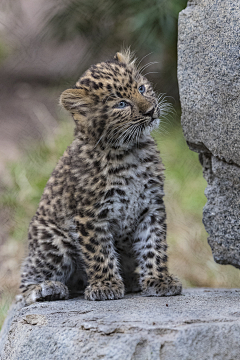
155,117
155,120
153,123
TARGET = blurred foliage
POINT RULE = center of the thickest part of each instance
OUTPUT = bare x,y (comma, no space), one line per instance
138,23
148,27
4,51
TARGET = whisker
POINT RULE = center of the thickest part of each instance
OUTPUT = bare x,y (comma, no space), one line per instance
151,72
115,131
145,66
161,96
98,141
138,135
122,134
143,59
129,133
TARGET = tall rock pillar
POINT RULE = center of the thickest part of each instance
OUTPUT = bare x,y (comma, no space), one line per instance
209,84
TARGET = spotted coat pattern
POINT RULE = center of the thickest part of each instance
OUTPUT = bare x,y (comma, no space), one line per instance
100,227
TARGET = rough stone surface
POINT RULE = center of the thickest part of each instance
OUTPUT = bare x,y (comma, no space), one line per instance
209,84
202,324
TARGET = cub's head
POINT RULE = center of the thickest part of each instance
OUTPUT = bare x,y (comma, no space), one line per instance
113,103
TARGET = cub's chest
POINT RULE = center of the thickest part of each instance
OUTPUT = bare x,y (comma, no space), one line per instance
129,194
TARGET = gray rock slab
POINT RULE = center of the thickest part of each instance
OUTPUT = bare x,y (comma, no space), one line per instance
200,324
209,85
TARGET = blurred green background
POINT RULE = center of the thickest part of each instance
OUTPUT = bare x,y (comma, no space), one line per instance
44,48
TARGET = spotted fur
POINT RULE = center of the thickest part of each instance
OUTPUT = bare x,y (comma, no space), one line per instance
101,223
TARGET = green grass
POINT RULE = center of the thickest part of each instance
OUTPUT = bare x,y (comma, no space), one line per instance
189,253
29,177
5,302
183,171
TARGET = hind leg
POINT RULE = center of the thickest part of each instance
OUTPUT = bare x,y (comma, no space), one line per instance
45,291
52,260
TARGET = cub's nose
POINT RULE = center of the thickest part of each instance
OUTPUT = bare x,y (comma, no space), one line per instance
149,112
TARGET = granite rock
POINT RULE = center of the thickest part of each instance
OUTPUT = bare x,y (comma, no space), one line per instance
201,324
209,85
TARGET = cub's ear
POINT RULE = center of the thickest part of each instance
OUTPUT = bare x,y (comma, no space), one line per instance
120,57
74,99
125,56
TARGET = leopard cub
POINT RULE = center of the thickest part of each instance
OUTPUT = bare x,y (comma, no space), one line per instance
101,224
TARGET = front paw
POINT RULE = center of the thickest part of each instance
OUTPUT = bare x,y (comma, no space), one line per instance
168,285
105,290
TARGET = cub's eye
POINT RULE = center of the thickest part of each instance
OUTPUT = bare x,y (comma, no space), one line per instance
141,89
122,104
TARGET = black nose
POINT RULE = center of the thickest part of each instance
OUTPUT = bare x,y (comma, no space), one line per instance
149,113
